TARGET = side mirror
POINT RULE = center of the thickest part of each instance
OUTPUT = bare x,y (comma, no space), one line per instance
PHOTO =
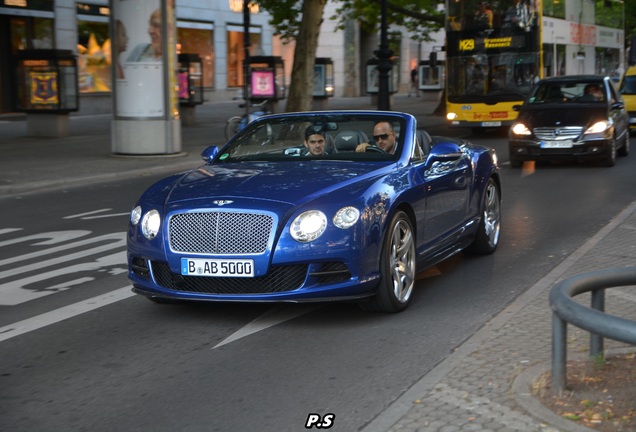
444,151
209,153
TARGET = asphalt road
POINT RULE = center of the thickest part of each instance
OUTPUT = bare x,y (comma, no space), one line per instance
130,365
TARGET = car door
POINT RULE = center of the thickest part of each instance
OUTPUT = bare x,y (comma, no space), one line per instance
447,177
618,114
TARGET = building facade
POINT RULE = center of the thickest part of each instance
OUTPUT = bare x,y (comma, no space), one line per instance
579,36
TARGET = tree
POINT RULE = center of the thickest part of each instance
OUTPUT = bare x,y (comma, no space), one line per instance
300,20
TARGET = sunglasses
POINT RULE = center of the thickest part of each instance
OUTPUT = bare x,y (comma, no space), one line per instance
381,137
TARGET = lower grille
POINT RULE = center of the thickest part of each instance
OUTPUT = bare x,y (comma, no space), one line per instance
279,279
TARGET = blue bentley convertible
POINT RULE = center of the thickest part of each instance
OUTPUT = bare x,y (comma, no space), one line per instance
315,206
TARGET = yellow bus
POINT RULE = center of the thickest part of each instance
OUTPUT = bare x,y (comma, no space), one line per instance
493,58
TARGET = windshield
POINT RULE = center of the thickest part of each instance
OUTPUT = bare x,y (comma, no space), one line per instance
628,86
569,92
339,137
502,77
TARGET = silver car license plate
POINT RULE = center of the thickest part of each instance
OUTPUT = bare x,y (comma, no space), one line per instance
557,144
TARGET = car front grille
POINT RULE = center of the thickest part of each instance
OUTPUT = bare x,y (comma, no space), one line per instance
279,279
223,233
558,133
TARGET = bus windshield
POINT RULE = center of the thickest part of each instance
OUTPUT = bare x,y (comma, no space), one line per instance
493,50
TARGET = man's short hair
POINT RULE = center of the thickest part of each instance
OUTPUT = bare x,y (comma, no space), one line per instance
313,130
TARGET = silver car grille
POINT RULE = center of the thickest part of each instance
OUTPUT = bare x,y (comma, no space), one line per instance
222,233
558,133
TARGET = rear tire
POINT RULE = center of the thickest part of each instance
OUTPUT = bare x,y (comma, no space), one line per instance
487,238
397,268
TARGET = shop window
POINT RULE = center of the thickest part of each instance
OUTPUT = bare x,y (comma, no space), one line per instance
94,57
198,38
236,53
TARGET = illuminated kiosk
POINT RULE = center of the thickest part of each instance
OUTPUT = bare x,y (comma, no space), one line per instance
190,78
47,90
267,80
146,118
323,83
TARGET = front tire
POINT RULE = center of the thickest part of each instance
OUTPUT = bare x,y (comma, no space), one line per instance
397,268
487,238
610,161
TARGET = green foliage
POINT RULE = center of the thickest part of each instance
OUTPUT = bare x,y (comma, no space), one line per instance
609,13
421,17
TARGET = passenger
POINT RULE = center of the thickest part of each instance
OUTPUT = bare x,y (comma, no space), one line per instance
594,90
315,142
384,136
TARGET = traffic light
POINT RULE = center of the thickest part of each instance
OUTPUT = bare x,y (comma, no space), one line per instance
432,59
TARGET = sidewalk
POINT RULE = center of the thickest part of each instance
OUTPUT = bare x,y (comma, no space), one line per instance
485,385
30,164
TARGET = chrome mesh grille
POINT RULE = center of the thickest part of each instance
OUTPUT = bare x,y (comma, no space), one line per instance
558,133
220,233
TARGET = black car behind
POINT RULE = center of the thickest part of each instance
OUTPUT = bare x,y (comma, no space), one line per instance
579,117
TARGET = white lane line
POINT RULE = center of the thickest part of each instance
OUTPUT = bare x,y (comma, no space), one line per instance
79,215
66,312
106,216
274,316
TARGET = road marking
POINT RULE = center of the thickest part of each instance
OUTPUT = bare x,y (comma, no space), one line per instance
16,292
116,240
8,230
81,215
66,312
106,216
274,316
53,237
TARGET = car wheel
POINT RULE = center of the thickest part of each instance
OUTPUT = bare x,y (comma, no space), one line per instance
610,161
397,268
624,151
232,127
487,238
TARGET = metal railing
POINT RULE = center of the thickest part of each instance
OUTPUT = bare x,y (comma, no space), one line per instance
593,319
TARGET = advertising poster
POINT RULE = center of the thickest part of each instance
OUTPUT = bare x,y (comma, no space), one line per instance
44,88
138,58
263,83
319,80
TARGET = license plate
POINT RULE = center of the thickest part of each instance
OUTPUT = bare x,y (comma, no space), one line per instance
491,124
557,144
217,267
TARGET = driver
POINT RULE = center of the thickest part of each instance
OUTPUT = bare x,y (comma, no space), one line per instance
384,136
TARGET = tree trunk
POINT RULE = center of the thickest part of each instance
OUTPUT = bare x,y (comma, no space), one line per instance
301,86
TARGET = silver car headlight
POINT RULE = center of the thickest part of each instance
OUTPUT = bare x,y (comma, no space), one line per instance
135,215
520,129
308,226
150,224
346,217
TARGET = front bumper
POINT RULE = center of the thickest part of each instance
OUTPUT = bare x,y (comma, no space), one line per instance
326,281
527,150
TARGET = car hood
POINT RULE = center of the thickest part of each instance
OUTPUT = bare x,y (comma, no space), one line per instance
292,183
562,115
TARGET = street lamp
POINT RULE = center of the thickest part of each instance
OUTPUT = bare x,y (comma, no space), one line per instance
384,54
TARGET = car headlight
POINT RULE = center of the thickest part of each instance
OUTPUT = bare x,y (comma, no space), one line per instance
150,224
308,226
135,215
598,127
346,217
451,116
520,129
